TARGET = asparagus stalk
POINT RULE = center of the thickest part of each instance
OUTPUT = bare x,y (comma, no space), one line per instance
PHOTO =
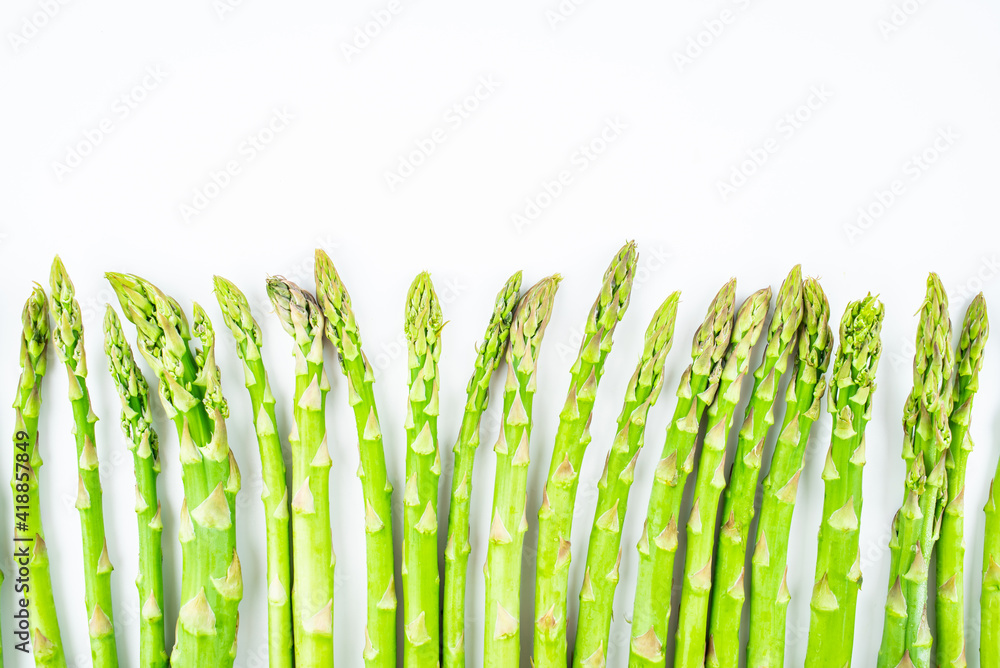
555,516
711,479
342,330
68,338
926,439
421,583
951,552
456,553
769,593
312,551
509,522
989,619
137,425
29,538
698,386
191,392
838,567
604,553
249,341
728,593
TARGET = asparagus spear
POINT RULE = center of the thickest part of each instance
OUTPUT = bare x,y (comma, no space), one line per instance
604,553
342,330
421,584
951,552
555,517
698,386
29,539
137,425
838,567
769,593
926,439
191,392
312,551
68,338
249,341
711,479
509,523
989,620
728,594
456,553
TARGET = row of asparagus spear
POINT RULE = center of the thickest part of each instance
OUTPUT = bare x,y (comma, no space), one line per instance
749,557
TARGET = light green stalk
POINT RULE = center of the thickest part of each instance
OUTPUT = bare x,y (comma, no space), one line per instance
249,341
509,523
29,538
989,618
926,440
696,391
421,583
137,425
68,338
769,595
191,392
729,583
555,516
604,553
692,625
342,330
838,567
456,553
951,552
312,550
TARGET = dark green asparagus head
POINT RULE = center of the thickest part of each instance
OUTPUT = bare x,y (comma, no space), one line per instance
162,327
528,327
853,379
209,376
423,323
815,334
494,344
969,360
341,328
68,331
34,341
746,330
137,414
238,318
927,434
608,309
784,324
647,381
708,350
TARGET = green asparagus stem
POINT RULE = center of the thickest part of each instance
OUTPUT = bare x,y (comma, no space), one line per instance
555,516
312,550
191,391
711,479
769,594
838,567
729,593
249,341
342,330
989,619
68,338
926,440
604,552
137,425
951,551
696,391
509,523
421,584
29,538
456,553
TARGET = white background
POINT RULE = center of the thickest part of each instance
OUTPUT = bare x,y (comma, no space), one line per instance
100,159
